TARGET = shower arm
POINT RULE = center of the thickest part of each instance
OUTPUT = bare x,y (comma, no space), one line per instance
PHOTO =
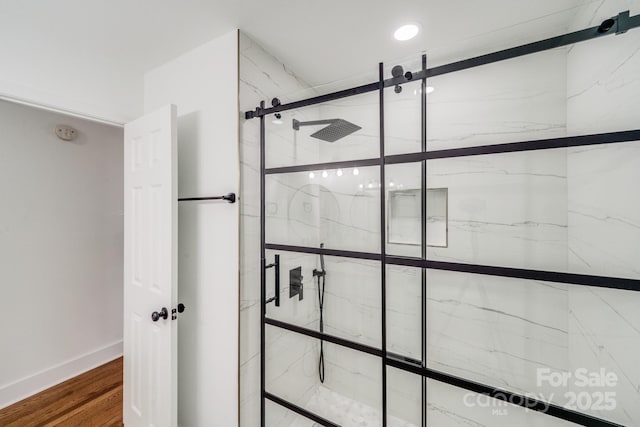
298,123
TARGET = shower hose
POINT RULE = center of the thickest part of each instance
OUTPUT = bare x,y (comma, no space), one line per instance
321,286
321,304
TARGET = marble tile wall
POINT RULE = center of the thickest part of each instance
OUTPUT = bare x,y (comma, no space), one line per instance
604,210
514,100
496,330
498,201
291,370
262,77
452,407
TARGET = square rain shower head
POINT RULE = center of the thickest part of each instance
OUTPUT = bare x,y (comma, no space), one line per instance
338,129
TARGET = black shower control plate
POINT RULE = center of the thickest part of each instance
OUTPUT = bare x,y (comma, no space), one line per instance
295,283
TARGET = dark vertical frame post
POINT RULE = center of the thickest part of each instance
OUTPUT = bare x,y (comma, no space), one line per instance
423,272
263,278
383,250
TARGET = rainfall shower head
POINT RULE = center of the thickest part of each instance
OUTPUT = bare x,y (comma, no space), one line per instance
337,129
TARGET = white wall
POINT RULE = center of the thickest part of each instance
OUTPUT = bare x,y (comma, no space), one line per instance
61,232
81,81
203,83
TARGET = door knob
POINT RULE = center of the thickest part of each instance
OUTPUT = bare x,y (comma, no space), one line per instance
181,307
164,313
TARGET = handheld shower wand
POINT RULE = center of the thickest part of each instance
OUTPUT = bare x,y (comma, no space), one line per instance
321,275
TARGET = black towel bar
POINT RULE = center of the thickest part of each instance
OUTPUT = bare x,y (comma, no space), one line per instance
231,198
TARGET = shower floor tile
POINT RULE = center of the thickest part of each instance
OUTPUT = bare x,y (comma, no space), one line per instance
345,411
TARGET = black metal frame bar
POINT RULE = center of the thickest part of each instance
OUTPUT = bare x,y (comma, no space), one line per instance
486,270
383,248
230,197
322,166
512,147
621,23
423,236
408,365
263,270
479,150
301,411
325,337
539,46
324,251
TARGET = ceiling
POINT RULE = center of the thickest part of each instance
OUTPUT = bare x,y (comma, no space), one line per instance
321,41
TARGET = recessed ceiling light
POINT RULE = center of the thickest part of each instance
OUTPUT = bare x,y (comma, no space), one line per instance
406,32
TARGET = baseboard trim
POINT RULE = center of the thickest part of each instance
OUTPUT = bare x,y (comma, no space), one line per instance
35,383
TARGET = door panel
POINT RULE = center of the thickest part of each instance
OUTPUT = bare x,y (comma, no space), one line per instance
150,270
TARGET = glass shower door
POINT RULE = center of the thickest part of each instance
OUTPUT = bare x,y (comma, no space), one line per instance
322,334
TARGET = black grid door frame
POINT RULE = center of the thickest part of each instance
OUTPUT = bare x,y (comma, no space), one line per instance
623,22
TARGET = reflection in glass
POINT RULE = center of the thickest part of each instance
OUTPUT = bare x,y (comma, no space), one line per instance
341,210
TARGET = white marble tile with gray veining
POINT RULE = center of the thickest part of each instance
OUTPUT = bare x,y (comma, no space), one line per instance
454,407
604,210
505,210
603,78
604,328
496,330
515,100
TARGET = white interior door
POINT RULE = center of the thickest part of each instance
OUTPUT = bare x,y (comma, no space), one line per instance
150,270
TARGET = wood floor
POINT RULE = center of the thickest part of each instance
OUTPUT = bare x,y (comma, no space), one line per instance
91,399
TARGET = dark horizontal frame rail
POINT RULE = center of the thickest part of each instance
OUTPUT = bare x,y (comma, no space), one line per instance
487,270
301,411
322,336
478,150
539,46
521,273
321,166
504,395
324,251
396,362
629,22
512,147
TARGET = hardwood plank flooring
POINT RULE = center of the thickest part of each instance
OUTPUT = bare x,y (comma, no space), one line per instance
90,399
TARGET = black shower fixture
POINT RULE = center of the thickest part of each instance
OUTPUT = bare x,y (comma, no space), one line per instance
606,25
322,277
337,129
275,102
397,71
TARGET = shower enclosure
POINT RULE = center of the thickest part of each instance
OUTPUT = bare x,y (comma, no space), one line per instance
458,244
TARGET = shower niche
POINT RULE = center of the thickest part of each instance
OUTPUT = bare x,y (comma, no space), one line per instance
404,220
